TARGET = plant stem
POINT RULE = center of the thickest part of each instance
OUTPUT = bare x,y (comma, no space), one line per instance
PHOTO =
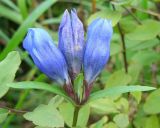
123,44
75,116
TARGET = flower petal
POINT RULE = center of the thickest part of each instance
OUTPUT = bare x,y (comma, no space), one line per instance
97,48
46,55
71,41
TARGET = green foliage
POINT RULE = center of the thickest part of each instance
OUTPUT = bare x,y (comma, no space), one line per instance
39,85
46,115
30,20
67,111
114,16
8,69
3,114
152,103
118,90
121,120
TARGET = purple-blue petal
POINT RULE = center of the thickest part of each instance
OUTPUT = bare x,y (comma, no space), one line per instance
71,41
46,55
97,49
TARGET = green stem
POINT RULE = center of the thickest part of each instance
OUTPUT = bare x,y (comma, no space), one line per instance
75,117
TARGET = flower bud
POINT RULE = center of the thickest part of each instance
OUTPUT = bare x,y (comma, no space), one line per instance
97,49
46,55
71,41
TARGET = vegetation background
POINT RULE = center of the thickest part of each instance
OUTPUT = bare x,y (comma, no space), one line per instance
135,60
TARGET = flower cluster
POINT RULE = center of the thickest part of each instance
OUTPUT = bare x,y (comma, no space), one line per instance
74,54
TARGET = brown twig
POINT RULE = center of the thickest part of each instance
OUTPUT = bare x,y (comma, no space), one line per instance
123,44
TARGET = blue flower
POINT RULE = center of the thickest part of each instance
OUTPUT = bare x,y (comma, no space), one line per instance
46,55
71,41
64,63
97,49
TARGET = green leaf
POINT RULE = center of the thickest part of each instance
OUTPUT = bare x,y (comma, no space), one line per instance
3,114
8,69
118,90
42,86
100,123
30,20
121,2
103,106
152,103
121,120
114,16
83,116
10,14
67,111
45,116
137,96
149,30
111,125
151,122
146,57
78,85
56,101
23,8
10,4
118,78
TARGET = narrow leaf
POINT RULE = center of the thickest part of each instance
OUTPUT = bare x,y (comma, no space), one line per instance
118,90
20,33
42,86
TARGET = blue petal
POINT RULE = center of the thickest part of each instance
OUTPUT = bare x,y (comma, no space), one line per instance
46,55
71,41
97,49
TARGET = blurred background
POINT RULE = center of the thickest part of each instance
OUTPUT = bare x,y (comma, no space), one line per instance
135,58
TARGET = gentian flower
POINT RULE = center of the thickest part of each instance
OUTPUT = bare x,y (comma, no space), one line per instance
71,41
46,55
65,62
97,49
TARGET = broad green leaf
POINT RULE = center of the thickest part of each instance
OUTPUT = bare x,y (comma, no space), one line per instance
146,57
45,116
114,16
56,101
111,125
121,120
8,69
122,105
146,44
137,96
67,111
100,123
134,73
42,86
151,122
149,30
118,78
83,116
118,90
103,106
152,103
30,20
3,114
115,48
